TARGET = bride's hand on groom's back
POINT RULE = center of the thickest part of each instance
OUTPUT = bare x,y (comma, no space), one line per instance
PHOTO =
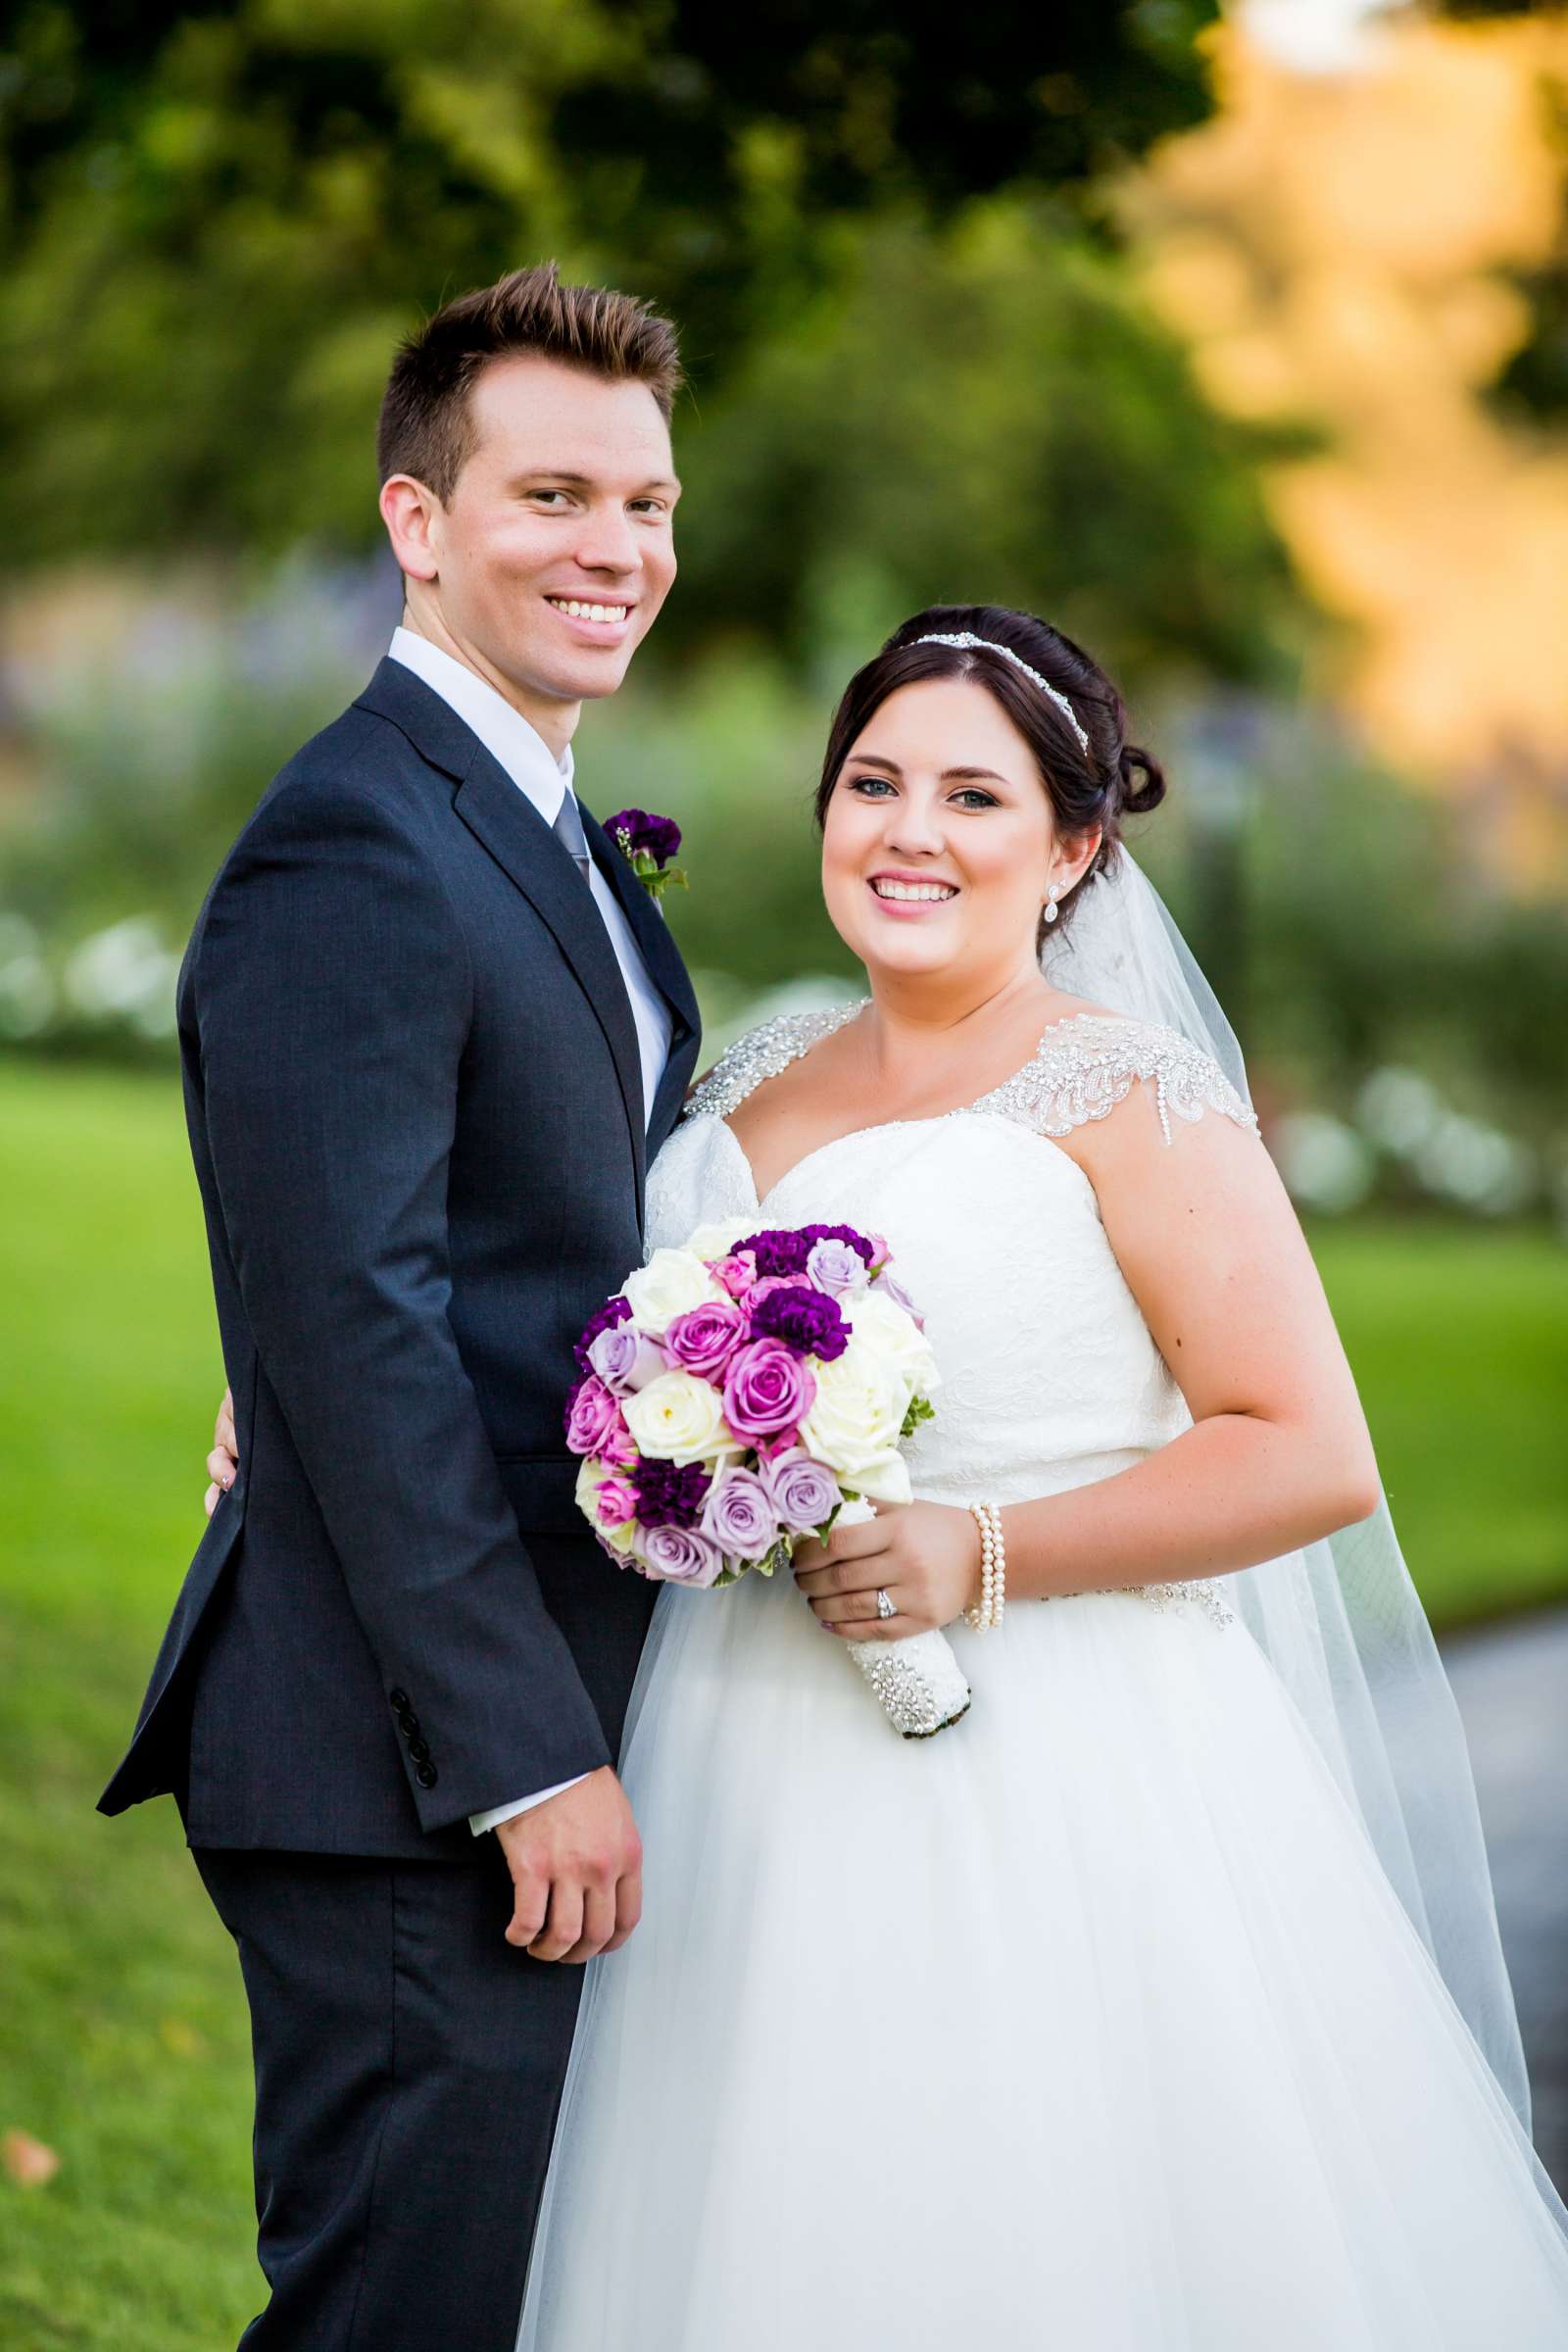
223,1460
924,1555
576,1865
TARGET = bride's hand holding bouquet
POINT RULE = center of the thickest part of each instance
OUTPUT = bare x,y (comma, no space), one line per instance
747,1394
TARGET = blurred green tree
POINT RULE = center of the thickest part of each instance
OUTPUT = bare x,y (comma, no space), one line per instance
219,218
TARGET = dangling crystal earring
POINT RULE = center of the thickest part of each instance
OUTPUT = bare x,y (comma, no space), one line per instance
1050,903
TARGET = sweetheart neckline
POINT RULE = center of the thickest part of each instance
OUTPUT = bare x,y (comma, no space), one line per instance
851,1135
935,1118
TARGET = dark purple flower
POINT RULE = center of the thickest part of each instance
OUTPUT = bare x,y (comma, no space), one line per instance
613,1311
705,1338
806,1320
766,1388
781,1252
670,1493
637,829
785,1249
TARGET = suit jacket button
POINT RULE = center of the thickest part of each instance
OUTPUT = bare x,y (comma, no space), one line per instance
425,1775
410,1722
419,1750
399,1699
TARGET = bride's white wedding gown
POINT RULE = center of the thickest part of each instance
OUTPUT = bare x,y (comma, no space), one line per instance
1091,2024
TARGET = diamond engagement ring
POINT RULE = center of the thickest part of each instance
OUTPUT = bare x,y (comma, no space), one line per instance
886,1606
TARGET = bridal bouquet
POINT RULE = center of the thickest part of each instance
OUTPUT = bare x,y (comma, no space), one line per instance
748,1390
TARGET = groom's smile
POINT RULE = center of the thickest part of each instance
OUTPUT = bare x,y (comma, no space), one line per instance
547,565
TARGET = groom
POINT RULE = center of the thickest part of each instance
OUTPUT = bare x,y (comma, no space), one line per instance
432,1032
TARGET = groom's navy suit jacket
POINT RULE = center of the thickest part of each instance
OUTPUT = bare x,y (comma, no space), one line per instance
415,1100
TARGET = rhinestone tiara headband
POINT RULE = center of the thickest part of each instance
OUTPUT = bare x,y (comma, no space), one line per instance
966,638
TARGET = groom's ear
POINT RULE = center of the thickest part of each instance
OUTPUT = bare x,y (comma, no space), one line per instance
408,508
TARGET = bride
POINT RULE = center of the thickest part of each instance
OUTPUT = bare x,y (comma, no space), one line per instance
1158,2002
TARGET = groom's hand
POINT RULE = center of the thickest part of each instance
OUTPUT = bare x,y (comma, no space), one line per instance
576,1865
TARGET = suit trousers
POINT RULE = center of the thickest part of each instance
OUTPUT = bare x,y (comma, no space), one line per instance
408,2067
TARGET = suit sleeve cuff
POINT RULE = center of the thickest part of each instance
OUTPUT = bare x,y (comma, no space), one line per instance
479,1822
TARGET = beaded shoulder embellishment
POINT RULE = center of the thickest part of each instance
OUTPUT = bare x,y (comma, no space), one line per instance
760,1054
1089,1063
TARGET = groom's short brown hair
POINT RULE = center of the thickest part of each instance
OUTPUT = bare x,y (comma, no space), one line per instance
426,427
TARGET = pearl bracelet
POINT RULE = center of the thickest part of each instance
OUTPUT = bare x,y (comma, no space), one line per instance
993,1602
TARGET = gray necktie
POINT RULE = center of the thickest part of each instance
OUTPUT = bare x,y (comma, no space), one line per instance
567,830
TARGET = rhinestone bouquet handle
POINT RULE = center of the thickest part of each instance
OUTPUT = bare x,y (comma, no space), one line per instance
919,1685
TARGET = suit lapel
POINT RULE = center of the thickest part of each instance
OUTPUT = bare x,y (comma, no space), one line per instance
507,824
649,927
667,971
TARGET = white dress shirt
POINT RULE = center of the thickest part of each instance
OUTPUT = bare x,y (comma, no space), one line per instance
533,767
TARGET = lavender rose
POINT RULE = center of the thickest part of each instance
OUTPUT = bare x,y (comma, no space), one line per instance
892,1288
670,1493
806,1320
766,1388
624,1359
681,1555
705,1338
836,1268
591,1413
802,1494
613,1311
739,1516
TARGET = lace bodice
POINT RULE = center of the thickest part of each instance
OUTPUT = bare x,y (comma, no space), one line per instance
1051,1377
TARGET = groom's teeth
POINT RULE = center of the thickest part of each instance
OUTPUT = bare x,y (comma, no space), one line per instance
582,611
914,890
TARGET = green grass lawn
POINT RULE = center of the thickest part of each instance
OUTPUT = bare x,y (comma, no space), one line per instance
122,2038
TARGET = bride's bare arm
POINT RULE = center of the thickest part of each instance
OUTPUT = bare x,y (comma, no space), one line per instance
1279,1452
1277,1457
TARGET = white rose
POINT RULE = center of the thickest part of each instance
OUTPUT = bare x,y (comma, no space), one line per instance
678,1418
856,1413
886,1480
672,1282
718,1241
897,1339
590,1475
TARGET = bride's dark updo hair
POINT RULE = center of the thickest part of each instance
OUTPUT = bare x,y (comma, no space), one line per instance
1100,786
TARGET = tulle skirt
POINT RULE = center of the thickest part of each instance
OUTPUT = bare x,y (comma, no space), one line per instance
1091,2024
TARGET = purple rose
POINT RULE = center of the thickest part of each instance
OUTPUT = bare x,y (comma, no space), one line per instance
804,1494
591,1414
806,1320
739,1516
658,837
836,1268
681,1555
867,1248
892,1288
705,1338
625,1358
616,1502
669,1493
766,1388
613,1311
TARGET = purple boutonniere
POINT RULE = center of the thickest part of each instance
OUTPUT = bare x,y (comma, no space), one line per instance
648,843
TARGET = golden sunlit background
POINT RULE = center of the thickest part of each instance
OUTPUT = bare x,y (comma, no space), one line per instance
1234,341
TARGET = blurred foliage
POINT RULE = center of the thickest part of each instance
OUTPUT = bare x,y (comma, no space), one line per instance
219,219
